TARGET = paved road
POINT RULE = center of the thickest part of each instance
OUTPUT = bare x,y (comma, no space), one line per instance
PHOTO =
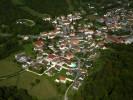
65,96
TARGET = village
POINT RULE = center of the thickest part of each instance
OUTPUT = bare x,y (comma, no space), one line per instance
67,52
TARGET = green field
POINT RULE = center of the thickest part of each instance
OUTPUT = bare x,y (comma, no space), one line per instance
44,90
8,66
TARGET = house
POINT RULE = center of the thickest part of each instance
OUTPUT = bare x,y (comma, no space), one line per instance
22,58
89,32
72,34
51,57
39,43
74,41
73,65
62,79
69,72
69,55
51,72
36,66
83,71
129,40
47,18
51,35
76,85
66,22
115,39
25,38
57,81
101,43
44,62
24,66
62,47
58,68
43,34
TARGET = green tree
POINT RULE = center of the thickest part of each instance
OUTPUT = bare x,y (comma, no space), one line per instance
111,77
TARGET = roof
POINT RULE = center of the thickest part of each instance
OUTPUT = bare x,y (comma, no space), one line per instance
44,33
62,78
73,65
51,56
74,41
39,42
62,46
69,55
115,39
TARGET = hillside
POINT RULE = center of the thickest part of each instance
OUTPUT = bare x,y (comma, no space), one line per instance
112,76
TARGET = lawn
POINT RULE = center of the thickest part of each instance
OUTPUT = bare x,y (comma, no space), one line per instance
8,66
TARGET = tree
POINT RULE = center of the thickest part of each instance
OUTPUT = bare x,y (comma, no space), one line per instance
111,77
9,46
13,93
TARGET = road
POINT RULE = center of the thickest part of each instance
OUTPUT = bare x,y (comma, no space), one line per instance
65,96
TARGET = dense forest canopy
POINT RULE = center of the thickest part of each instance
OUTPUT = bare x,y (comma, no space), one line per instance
52,7
10,13
13,93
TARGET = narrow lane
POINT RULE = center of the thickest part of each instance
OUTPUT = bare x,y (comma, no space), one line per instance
66,93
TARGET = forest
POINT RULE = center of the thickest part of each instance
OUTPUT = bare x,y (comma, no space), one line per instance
10,13
112,76
13,93
52,7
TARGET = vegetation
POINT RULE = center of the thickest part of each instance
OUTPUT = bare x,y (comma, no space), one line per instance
8,66
8,46
13,93
11,29
48,6
13,13
38,86
112,76
28,49
120,32
10,13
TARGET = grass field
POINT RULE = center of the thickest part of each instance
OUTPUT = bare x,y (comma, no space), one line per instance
8,66
44,90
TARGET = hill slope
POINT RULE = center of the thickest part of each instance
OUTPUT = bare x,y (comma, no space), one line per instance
114,79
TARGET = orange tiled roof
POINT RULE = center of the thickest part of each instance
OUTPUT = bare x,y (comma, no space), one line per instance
62,78
51,56
39,42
